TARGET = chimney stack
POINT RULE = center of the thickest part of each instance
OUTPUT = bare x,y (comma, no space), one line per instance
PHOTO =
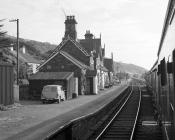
88,35
70,27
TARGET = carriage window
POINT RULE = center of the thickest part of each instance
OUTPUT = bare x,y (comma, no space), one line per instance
163,72
169,67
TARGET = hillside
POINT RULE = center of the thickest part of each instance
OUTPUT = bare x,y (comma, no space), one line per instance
34,48
128,68
35,51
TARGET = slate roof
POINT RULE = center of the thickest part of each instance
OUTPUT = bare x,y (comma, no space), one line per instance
58,49
77,44
51,76
74,60
108,63
64,42
92,44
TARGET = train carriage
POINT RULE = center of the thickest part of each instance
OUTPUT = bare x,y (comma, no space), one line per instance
161,77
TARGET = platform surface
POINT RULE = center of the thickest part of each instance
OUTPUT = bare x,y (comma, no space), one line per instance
34,120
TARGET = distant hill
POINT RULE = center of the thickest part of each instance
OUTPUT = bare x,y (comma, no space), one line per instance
35,51
129,68
35,48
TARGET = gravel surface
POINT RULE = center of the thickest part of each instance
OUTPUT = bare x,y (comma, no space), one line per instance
24,120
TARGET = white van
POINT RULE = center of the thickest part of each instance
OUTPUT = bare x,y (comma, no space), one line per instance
52,93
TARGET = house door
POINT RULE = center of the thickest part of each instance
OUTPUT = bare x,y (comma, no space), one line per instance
89,85
79,86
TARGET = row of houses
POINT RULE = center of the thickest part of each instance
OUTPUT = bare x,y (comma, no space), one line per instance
79,65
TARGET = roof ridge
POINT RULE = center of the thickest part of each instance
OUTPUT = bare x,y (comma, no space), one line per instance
79,46
55,51
74,60
58,49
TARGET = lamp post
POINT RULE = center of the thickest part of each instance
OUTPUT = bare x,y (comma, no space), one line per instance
17,49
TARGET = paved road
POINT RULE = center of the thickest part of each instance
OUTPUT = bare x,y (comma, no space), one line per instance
34,120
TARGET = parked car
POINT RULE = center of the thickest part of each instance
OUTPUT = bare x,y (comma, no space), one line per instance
54,93
117,81
106,85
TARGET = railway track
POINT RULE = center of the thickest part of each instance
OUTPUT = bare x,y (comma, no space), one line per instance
122,124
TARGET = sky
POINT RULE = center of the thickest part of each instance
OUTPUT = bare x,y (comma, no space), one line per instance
131,29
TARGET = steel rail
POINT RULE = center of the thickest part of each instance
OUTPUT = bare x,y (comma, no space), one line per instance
99,136
138,109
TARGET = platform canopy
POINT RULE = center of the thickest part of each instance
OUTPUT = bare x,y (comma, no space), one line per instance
51,76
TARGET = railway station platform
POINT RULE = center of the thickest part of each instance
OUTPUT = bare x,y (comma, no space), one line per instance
33,120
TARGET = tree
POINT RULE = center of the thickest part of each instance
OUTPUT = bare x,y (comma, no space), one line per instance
2,34
3,41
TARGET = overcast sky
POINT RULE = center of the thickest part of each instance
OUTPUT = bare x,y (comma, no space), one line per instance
131,29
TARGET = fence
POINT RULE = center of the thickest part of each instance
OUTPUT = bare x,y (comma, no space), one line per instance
6,83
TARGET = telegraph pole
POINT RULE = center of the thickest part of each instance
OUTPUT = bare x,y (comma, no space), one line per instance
17,49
